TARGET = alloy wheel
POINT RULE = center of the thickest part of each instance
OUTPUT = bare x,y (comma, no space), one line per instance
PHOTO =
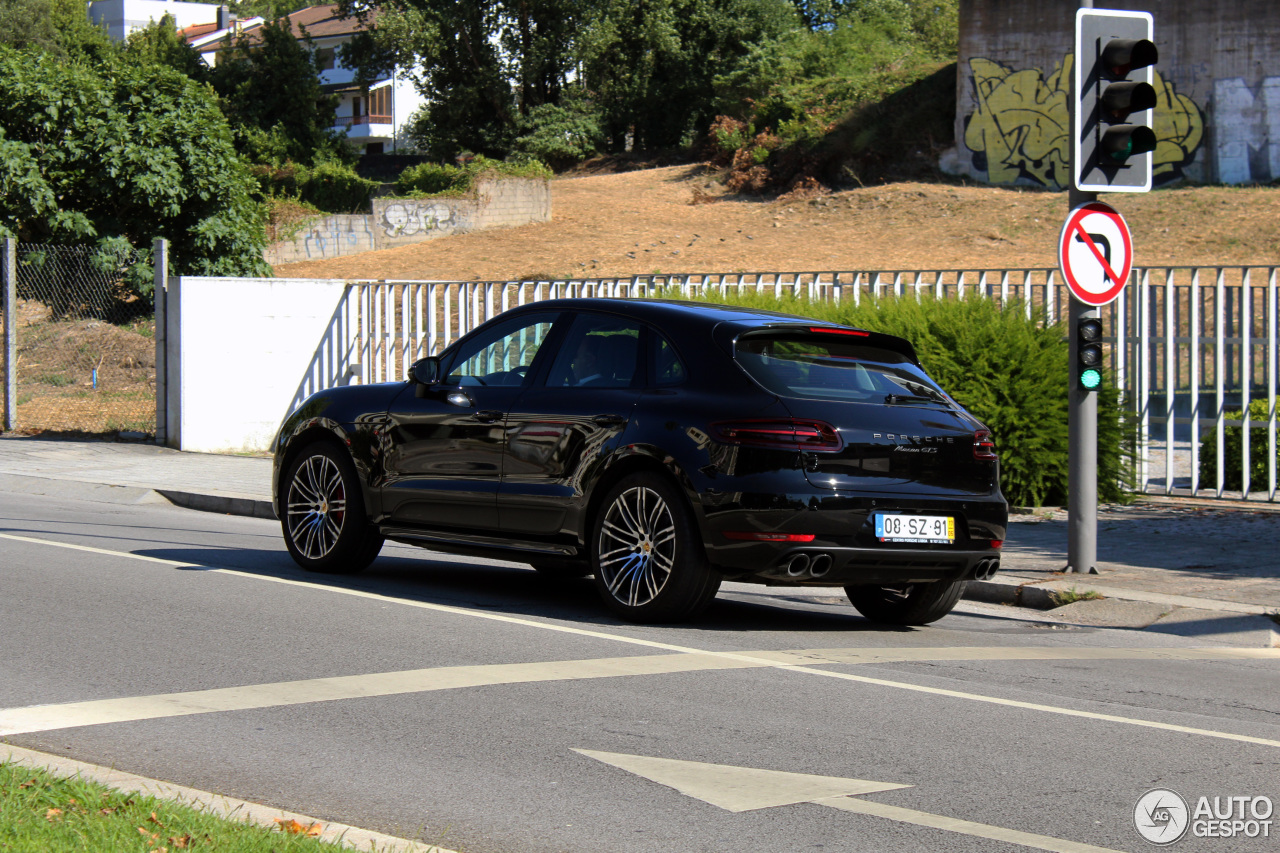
317,506
637,546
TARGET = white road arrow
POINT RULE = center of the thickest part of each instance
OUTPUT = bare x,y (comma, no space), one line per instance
740,789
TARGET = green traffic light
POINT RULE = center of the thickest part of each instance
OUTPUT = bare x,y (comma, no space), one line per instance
1090,380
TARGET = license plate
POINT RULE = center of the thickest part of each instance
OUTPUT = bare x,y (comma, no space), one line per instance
921,529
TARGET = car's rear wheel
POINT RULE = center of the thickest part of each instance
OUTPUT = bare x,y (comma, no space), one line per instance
323,516
648,562
906,604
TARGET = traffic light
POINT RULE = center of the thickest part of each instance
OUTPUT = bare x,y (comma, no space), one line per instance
1089,353
1114,99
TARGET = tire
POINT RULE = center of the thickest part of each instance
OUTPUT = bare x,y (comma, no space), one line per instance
324,522
906,604
646,556
562,569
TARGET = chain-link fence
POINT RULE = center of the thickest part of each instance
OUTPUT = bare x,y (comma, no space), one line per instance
85,342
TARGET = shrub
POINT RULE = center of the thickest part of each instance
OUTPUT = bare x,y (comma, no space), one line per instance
561,134
1008,371
432,179
336,188
1233,449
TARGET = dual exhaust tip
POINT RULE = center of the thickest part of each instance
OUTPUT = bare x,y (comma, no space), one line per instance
818,565
986,569
806,566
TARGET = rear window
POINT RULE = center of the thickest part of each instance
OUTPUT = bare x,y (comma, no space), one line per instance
831,367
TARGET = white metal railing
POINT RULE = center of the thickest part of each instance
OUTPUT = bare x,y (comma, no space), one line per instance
1186,344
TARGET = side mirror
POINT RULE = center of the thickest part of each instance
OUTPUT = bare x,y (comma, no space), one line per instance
427,371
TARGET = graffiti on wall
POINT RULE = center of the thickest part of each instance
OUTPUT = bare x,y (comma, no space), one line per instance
407,218
1020,132
1247,130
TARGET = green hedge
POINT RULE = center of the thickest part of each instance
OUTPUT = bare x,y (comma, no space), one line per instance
329,187
1233,447
1009,372
433,179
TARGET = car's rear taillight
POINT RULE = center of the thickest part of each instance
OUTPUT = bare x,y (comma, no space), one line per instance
783,434
984,449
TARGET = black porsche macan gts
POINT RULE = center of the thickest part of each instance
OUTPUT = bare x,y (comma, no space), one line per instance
661,447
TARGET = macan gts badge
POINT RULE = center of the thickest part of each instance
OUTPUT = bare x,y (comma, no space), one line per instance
660,447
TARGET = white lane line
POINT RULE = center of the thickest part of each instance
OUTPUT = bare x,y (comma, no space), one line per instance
41,718
749,659
206,801
964,827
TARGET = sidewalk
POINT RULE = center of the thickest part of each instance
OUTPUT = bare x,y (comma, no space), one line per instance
1194,569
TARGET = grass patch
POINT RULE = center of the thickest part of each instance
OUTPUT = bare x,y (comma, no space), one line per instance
42,812
56,380
1072,595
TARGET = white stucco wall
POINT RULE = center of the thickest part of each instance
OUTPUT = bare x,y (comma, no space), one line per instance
244,348
121,17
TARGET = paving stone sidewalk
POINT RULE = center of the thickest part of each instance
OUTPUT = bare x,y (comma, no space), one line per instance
1160,562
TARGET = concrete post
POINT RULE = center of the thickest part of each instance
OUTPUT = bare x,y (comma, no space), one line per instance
160,257
10,334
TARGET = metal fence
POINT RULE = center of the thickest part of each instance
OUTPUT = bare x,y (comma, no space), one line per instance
82,357
1187,347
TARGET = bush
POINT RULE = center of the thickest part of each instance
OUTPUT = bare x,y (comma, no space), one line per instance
1008,371
432,179
336,188
561,134
1233,449
328,187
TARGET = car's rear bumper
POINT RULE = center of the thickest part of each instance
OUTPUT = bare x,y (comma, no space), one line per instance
843,548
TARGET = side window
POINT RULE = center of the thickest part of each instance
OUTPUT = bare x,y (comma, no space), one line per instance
668,368
503,356
598,352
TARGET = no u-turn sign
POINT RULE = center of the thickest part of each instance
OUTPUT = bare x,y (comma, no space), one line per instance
1095,252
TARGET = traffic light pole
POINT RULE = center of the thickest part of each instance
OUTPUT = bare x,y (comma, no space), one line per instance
1082,421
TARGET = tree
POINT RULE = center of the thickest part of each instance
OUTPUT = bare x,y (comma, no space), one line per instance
482,63
118,151
269,86
160,44
60,28
652,63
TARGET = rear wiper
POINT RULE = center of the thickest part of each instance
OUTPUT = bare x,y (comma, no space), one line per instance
907,398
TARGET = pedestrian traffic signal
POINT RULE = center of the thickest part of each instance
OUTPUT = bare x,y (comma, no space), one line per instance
1089,353
1114,101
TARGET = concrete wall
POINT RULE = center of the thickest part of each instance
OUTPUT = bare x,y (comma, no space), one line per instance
328,237
1218,78
395,222
241,347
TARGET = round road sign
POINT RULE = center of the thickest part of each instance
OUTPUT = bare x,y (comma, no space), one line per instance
1095,252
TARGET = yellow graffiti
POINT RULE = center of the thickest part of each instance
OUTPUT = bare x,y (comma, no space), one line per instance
1022,124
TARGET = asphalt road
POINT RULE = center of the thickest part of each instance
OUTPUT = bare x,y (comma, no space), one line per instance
479,706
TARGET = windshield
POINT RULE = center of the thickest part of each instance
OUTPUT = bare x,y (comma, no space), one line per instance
829,367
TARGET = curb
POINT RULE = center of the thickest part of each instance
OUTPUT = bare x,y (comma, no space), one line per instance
223,806
224,504
1038,594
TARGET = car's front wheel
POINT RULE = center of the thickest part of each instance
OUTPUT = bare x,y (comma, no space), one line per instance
906,604
645,553
322,513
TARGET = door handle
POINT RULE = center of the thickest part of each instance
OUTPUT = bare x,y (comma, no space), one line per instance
488,416
608,420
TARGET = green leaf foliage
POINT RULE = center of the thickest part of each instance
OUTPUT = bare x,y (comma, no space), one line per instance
1009,371
132,151
432,179
1261,418
268,86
